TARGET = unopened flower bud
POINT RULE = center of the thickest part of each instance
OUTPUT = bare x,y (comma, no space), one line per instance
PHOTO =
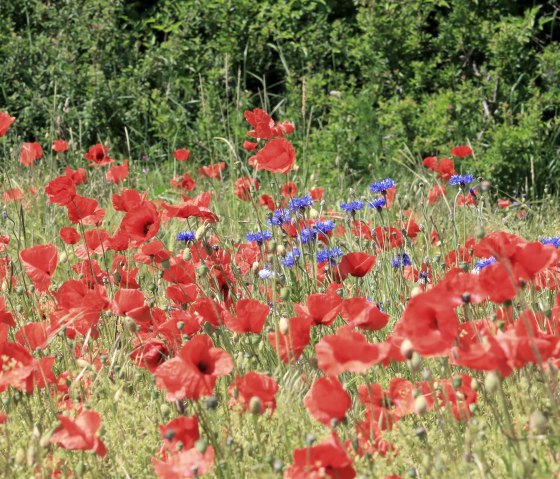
538,423
420,404
407,349
283,326
255,405
491,382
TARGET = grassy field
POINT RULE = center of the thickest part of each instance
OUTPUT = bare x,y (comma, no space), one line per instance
242,319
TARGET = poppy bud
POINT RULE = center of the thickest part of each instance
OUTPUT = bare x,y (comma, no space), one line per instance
415,291
464,266
475,385
187,255
80,469
45,440
491,382
415,362
281,250
19,457
272,246
36,433
63,258
180,325
19,290
457,382
31,456
313,213
278,465
201,232
255,405
130,324
420,432
255,267
406,349
211,402
117,277
284,293
310,439
165,410
202,270
201,445
420,404
538,423
283,326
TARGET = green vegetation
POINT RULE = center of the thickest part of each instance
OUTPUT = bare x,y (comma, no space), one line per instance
364,81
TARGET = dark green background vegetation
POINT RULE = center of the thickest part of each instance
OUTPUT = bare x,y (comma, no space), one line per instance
366,82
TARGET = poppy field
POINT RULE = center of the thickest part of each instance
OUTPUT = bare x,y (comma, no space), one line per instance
241,319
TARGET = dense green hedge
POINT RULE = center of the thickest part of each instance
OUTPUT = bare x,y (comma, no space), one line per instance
369,83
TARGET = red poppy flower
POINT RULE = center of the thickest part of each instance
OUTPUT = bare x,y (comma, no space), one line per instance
316,193
185,182
182,430
15,194
326,459
250,145
33,335
243,187
262,123
277,156
322,308
78,176
504,203
327,401
5,123
39,263
69,235
85,210
253,384
436,192
60,146
268,201
80,434
250,316
356,264
117,173
131,303
97,155
347,351
141,224
213,171
190,463
289,190
61,190
181,154
6,317
290,344
461,151
150,354
30,152
364,314
194,371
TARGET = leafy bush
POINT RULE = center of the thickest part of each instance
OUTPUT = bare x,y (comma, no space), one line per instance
363,80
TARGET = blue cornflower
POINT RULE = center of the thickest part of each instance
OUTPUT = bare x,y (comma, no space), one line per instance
382,186
279,217
483,263
461,180
401,260
266,273
297,204
307,235
553,240
378,203
352,206
291,257
186,236
259,236
324,227
329,254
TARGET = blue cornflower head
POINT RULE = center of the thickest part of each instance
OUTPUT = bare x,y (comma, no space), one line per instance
401,260
307,235
461,180
259,236
186,236
483,263
324,227
329,254
378,203
297,204
279,217
352,206
291,257
553,240
382,186
266,273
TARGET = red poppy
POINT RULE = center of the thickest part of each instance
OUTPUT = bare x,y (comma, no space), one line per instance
254,385
277,156
185,182
78,176
39,263
117,173
290,344
131,303
97,155
347,351
213,171
262,123
141,224
461,151
33,335
5,122
322,308
436,192
243,187
30,152
182,430
250,316
326,459
150,354
61,190
316,193
181,154
60,146
15,194
356,264
364,314
327,401
194,371
184,464
69,235
504,203
250,145
85,210
289,190
6,317
80,434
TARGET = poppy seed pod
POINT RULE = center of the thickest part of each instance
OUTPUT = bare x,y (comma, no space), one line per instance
187,255
538,423
491,382
283,326
255,405
420,404
407,349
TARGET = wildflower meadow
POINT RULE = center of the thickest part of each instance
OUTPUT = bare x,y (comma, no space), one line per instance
241,319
